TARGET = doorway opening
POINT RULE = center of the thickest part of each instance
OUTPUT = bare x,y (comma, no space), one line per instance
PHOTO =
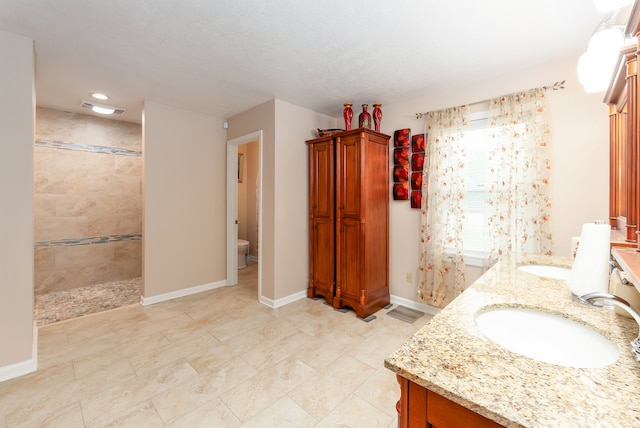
87,214
245,171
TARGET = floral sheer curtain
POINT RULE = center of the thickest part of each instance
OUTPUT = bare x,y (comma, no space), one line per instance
441,274
518,199
515,209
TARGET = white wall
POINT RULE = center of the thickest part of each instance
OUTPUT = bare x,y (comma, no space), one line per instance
259,118
184,213
580,153
285,245
17,112
294,125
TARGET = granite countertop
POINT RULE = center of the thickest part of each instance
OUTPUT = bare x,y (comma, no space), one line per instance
451,357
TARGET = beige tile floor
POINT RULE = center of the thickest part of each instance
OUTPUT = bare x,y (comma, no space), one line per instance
215,359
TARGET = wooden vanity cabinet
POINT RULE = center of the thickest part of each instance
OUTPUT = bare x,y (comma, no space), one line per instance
623,99
349,220
624,145
420,407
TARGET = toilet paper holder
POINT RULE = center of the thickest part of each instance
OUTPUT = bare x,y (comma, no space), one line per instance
619,277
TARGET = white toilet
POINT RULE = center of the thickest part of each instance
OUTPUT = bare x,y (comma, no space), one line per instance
243,252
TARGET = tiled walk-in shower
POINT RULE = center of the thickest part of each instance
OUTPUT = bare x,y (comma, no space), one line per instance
66,304
87,212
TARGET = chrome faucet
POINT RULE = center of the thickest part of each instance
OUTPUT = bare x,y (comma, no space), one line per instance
594,299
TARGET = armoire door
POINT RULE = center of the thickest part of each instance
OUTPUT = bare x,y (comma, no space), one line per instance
322,219
348,172
348,223
349,275
322,180
323,266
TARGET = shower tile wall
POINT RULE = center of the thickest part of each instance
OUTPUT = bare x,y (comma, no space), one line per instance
87,200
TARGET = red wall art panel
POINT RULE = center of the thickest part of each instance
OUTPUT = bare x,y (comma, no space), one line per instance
401,167
401,173
416,198
401,155
417,161
418,155
400,191
402,138
418,143
416,181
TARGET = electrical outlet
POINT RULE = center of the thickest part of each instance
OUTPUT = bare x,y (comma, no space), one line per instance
409,277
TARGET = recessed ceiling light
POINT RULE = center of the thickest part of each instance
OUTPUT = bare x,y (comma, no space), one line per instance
99,96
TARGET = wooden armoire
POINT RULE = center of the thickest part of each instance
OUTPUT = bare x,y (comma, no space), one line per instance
349,220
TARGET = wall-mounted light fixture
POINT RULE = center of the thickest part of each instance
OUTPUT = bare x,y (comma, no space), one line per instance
102,108
596,65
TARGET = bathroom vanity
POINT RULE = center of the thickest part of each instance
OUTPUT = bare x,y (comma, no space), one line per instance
453,375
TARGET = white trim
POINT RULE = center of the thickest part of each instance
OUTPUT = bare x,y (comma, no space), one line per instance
232,214
412,304
475,258
291,298
275,304
25,367
232,206
146,301
267,302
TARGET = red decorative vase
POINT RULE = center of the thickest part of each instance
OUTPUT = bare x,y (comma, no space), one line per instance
347,114
377,116
364,120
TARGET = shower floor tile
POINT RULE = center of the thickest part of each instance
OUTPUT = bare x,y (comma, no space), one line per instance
63,305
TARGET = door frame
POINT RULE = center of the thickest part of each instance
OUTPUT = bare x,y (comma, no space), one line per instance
232,206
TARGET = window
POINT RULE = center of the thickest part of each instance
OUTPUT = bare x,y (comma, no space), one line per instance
477,147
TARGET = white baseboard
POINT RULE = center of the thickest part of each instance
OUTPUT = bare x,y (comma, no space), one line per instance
267,302
25,367
274,304
412,304
145,301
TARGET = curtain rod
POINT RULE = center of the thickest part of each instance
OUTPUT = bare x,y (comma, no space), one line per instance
554,87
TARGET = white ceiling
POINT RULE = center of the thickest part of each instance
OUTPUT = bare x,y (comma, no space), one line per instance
221,57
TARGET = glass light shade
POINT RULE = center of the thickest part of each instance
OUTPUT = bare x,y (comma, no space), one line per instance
102,110
99,96
606,42
610,5
594,73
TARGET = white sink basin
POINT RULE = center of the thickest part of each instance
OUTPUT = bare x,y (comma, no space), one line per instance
546,337
547,271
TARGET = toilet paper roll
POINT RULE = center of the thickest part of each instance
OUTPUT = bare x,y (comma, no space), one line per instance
590,270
